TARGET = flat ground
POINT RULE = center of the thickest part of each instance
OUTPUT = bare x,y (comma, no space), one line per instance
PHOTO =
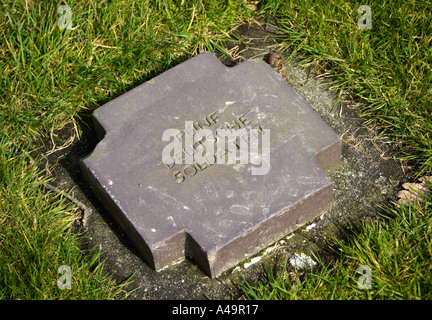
367,177
372,86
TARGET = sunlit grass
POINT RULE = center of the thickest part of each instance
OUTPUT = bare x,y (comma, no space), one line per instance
52,76
397,249
386,71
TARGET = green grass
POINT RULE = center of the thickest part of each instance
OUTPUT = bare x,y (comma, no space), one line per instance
386,71
51,77
397,249
35,239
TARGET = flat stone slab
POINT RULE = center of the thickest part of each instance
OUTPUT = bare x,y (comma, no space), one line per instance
177,193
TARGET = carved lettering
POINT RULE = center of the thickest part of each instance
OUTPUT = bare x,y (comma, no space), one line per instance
196,143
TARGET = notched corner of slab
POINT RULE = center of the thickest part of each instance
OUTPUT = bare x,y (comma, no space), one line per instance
98,126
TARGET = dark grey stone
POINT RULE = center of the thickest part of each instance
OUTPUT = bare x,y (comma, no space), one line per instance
218,214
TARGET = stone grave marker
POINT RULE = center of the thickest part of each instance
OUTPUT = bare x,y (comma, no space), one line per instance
211,162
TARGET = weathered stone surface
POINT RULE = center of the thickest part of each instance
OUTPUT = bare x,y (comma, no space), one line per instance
218,214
